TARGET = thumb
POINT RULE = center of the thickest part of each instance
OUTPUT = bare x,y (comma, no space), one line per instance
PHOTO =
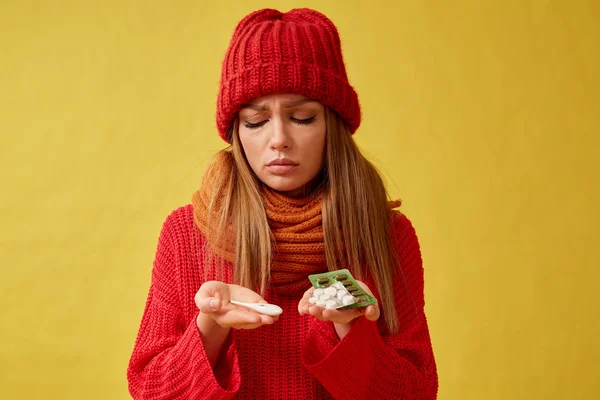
209,304
212,296
372,312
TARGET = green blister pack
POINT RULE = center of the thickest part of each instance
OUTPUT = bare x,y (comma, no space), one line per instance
338,290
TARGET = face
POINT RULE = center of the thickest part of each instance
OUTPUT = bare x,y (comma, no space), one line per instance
283,136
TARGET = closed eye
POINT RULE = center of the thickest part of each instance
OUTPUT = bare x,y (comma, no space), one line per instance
303,121
255,125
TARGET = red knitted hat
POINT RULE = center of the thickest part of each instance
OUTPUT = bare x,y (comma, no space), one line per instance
294,52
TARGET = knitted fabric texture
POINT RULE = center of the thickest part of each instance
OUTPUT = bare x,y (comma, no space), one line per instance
296,225
295,52
296,358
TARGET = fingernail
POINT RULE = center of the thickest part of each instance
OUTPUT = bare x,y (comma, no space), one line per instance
213,304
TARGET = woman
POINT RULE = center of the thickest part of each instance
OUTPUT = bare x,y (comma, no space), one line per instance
292,196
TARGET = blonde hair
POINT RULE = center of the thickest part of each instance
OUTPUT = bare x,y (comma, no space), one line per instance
355,206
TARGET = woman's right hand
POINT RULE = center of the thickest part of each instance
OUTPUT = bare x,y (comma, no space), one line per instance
212,299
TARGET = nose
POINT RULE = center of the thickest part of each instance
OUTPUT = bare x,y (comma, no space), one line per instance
280,139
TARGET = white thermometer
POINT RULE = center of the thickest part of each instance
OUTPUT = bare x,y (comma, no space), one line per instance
263,308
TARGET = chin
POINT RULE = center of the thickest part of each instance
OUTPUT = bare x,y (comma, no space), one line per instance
283,184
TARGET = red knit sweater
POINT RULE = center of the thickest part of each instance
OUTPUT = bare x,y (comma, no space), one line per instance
298,357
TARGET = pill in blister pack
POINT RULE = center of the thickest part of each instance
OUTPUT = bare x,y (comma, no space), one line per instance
338,290
332,297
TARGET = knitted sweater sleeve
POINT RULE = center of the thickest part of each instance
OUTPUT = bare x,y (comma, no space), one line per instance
169,360
367,364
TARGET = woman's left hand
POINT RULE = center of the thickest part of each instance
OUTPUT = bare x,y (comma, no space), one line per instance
340,317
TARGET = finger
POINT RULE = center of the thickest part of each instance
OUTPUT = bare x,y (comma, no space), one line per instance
268,320
372,312
316,312
303,308
341,316
250,315
308,294
209,304
304,304
237,318
212,289
241,293
248,326
264,320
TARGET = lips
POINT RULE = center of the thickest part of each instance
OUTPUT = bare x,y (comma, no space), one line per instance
281,161
281,166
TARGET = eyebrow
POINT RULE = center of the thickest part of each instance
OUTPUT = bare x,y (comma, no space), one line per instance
289,104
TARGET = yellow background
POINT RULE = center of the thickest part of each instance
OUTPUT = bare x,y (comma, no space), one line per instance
484,117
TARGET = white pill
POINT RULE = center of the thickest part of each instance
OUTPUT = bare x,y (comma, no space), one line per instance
324,297
331,304
331,291
341,293
349,299
317,293
312,300
321,303
338,285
